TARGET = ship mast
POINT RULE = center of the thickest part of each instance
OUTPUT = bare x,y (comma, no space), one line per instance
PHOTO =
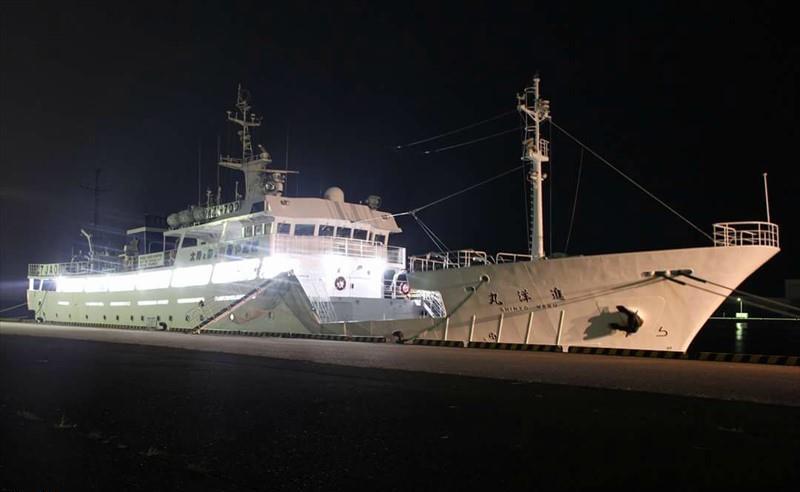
259,179
535,151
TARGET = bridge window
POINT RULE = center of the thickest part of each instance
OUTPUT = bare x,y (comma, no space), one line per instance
343,232
284,228
380,238
304,229
188,242
247,231
360,234
257,207
49,284
326,230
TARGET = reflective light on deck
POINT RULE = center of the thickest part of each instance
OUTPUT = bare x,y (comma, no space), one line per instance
94,303
271,266
152,302
235,271
191,300
121,283
234,297
63,303
158,279
70,284
95,284
119,303
191,276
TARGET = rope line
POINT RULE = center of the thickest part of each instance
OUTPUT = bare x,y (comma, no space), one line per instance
13,307
574,203
631,180
470,142
468,188
431,235
743,293
453,132
752,303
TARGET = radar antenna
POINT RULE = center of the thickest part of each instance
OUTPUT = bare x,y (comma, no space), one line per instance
259,179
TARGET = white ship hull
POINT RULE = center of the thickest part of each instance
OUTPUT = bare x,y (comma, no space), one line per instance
573,301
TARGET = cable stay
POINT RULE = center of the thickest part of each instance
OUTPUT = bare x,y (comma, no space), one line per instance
574,203
470,142
440,245
631,180
453,132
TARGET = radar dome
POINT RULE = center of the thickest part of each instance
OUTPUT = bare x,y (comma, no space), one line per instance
198,213
185,216
334,194
173,220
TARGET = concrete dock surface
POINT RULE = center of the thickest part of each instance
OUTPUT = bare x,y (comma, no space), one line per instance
98,409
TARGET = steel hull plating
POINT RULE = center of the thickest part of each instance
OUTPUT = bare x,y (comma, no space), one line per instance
574,301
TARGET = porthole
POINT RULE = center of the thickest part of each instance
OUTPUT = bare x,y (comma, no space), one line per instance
485,278
131,317
104,317
86,316
158,318
170,317
141,318
117,317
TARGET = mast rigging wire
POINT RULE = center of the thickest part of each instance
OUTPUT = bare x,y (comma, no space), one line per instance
631,180
453,132
470,142
574,203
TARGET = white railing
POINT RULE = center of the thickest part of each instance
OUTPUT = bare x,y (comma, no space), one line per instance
746,234
449,259
544,147
512,257
316,245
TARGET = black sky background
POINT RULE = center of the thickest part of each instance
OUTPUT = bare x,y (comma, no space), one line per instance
693,100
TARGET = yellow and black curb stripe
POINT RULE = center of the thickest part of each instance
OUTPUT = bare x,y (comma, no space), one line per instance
784,360
523,347
655,354
312,336
438,343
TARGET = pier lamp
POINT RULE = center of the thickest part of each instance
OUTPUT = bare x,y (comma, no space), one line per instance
739,300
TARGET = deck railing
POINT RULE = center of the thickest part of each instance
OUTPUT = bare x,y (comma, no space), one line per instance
746,234
448,259
316,245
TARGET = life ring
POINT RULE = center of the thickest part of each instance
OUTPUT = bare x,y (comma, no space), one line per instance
340,283
404,288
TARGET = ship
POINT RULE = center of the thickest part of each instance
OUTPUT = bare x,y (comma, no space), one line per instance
263,262
268,263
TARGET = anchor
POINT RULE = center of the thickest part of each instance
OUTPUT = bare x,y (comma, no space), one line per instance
634,321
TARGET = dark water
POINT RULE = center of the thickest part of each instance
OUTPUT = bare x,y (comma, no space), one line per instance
749,337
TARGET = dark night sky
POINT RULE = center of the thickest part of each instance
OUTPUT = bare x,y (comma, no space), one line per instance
694,101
